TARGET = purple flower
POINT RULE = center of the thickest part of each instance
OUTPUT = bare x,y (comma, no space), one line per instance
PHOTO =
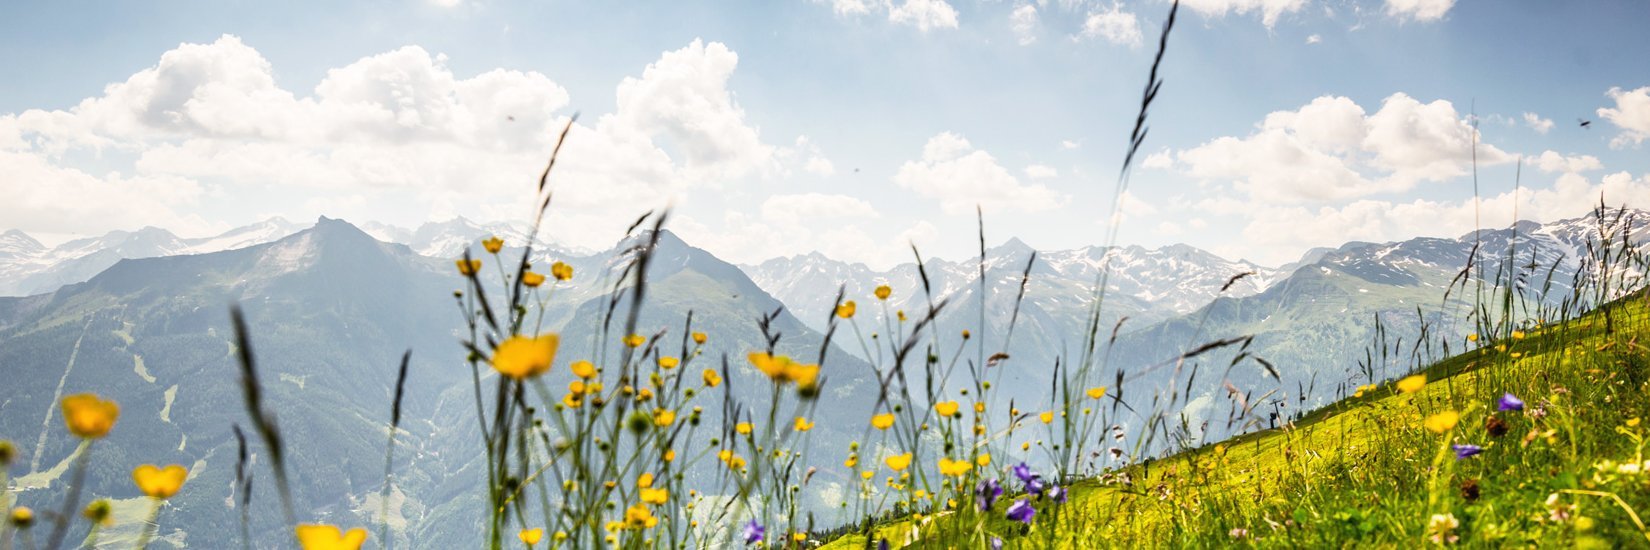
753,532
1056,493
882,544
1024,472
996,543
986,493
1021,511
1463,451
1035,486
1510,402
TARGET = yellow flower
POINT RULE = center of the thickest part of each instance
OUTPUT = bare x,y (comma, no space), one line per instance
979,407
882,421
532,280
583,369
800,537
901,314
656,497
744,428
1472,337
493,244
898,462
89,416
699,338
561,271
645,480
668,362
521,357
802,424
1442,422
782,369
330,537
670,455
22,517
1047,417
853,460
531,536
712,379
946,408
663,417
954,467
1412,384
883,291
1518,335
635,340
1096,393
845,310
1633,422
468,268
867,474
639,517
736,463
159,483
100,512
983,460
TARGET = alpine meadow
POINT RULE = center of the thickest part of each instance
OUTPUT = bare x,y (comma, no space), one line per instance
713,275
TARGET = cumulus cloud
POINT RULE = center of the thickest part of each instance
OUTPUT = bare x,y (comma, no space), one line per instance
806,207
1552,161
1039,171
960,177
1331,149
1418,10
925,15
210,119
1631,114
1024,22
1535,122
1269,10
1113,25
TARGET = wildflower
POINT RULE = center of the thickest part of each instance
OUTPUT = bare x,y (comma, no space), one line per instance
853,460
901,315
668,362
782,369
712,379
89,416
1023,472
1021,511
983,460
699,338
882,421
1441,528
329,537
1412,384
1472,337
1047,417
531,279
493,244
966,334
867,474
1509,402
802,424
561,271
996,543
846,309
99,512
898,462
883,291
800,537
159,483
753,532
946,408
656,497
1442,422
1632,422
986,493
635,340
950,467
1466,450
583,369
1518,335
22,517
663,417
644,481
1056,493
1237,533
531,536
670,455
979,407
1096,393
520,357
639,517
744,428
468,268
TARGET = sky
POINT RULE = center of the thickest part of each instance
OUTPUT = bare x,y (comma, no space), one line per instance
850,127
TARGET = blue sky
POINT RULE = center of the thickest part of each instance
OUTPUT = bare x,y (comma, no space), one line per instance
849,127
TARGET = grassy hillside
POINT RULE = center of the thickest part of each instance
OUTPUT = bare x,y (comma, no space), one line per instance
1569,468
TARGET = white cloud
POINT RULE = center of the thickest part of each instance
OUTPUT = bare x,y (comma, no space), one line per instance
960,177
1161,160
1270,10
1114,25
1024,22
1314,39
209,120
925,15
1631,114
808,155
1535,122
806,207
1069,144
850,7
1418,10
1330,150
1552,161
1040,171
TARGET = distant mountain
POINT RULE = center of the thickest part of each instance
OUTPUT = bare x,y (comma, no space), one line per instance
26,267
448,239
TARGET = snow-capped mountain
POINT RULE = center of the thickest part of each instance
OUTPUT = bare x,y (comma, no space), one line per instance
27,268
448,239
